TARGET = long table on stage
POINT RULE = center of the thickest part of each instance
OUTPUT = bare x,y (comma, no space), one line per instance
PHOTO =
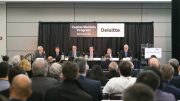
93,61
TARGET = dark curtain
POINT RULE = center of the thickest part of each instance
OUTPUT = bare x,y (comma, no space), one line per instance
176,29
52,34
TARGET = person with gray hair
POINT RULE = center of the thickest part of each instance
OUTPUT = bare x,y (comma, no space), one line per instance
92,87
16,60
55,71
40,82
176,78
175,64
39,53
167,72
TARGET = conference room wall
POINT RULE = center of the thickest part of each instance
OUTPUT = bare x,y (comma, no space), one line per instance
2,29
23,18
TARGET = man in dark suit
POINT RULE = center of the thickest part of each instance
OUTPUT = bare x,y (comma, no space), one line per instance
91,53
40,53
74,53
71,90
40,82
92,87
57,52
126,52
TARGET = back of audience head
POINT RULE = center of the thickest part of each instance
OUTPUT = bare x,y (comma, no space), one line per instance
70,70
138,92
175,64
113,66
39,67
149,78
167,71
82,64
125,68
154,63
5,58
4,69
157,71
21,90
15,71
97,71
16,60
55,71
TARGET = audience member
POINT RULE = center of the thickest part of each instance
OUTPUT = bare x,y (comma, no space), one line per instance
25,64
40,82
55,71
71,90
4,69
74,53
176,79
106,62
5,58
16,60
92,87
119,84
175,64
167,72
39,53
151,79
138,92
12,73
154,63
20,91
96,73
113,70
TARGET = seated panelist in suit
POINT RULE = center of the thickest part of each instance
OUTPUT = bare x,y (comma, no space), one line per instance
126,52
74,53
39,53
57,52
91,53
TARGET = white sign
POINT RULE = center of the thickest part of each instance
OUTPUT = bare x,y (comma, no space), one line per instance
110,30
153,51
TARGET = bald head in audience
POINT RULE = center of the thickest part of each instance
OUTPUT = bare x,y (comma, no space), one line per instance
154,63
21,87
113,66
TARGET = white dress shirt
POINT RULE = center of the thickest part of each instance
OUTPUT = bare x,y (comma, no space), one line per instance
118,84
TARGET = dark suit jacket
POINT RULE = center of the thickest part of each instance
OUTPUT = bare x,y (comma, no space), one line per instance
92,87
171,89
55,55
37,55
70,54
69,91
105,64
41,84
122,54
94,54
176,81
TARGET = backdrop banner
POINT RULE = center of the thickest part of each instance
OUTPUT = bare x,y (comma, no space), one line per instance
96,29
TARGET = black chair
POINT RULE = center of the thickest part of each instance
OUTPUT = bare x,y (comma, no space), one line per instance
115,96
